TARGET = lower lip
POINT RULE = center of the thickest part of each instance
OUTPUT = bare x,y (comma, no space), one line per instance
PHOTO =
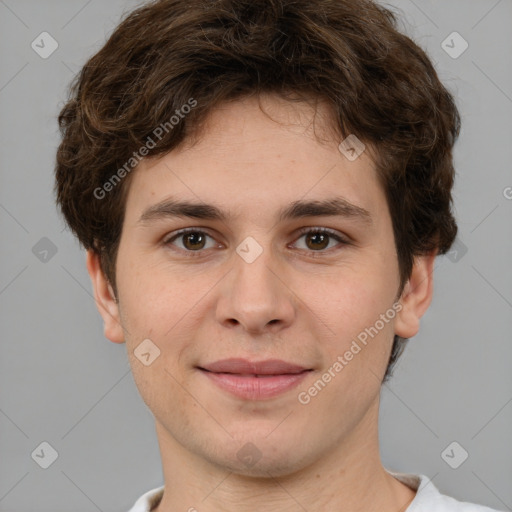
256,388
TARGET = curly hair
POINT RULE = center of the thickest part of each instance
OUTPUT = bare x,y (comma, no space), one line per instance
378,83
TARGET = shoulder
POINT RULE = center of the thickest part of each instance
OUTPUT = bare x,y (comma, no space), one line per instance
442,503
148,500
429,499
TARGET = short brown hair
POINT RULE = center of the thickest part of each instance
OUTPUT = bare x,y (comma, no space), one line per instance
380,86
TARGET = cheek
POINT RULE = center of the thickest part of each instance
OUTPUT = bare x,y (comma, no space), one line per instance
351,300
157,310
358,308
166,310
150,296
356,355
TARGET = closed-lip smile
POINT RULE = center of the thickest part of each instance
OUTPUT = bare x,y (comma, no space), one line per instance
255,380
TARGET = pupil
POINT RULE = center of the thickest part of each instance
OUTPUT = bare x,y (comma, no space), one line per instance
190,238
323,238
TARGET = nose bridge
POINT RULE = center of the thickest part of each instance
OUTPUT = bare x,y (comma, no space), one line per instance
252,264
254,295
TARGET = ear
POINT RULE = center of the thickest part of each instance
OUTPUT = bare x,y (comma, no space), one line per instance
105,299
416,296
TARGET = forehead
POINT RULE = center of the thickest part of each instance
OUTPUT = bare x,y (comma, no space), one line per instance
251,162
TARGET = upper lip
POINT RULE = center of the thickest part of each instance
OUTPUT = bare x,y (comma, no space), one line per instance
243,366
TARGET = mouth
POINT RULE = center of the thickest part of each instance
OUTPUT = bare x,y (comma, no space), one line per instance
255,380
241,366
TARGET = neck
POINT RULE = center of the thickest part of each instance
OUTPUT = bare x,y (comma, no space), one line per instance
349,478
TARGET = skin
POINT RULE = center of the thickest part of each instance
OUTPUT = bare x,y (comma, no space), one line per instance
287,304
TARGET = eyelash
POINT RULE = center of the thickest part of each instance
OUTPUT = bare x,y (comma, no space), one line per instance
303,231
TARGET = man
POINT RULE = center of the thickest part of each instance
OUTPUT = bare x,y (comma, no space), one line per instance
262,188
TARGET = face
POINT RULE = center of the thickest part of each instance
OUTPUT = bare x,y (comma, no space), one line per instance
293,261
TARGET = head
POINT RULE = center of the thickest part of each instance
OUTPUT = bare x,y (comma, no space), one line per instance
243,104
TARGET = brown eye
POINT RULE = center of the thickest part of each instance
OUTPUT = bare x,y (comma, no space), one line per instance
194,240
191,240
317,241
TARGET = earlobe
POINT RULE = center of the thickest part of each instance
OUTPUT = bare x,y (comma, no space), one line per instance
105,299
416,296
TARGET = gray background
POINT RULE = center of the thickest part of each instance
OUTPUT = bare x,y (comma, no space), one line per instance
62,382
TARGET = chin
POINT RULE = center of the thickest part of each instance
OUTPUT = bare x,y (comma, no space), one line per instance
266,467
260,456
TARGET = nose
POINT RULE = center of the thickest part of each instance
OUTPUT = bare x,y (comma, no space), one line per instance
255,295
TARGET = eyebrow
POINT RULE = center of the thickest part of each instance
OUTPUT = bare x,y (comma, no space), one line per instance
336,206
